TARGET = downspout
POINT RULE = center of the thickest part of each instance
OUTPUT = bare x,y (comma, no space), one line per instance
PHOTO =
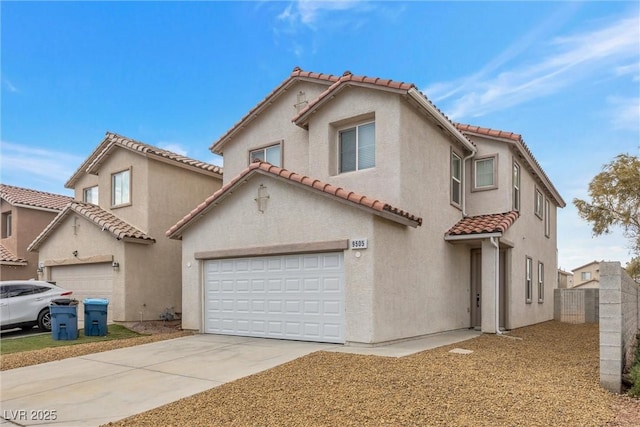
497,302
464,181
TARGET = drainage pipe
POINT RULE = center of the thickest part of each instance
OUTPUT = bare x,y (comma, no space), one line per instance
497,275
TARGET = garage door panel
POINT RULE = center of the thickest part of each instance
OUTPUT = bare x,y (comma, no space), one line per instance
293,296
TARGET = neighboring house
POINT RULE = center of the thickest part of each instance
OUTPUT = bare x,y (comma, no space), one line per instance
565,279
367,217
587,276
109,243
25,213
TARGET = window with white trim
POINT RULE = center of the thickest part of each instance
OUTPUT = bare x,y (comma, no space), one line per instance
516,186
585,275
270,154
121,188
540,282
547,218
357,148
456,179
528,280
484,173
90,195
538,204
7,224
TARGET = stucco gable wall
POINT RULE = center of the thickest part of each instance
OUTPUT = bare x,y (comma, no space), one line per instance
86,181
353,106
271,126
292,215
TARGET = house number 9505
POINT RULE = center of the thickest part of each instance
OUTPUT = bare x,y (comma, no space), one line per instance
358,243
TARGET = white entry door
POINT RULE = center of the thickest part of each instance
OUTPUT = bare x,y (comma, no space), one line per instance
298,297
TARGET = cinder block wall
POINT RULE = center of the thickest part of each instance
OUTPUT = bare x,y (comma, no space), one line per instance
576,305
619,322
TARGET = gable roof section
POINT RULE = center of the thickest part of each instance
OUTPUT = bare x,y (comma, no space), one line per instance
407,89
521,147
113,140
296,75
337,193
482,225
118,228
8,258
33,199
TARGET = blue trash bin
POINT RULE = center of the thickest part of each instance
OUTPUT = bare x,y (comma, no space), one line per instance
64,319
95,317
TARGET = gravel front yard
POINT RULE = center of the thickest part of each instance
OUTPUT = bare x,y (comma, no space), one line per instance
544,375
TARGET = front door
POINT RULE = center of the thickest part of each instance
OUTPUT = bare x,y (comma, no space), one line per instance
476,288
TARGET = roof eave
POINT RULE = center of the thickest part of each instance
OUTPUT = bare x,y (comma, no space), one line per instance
471,236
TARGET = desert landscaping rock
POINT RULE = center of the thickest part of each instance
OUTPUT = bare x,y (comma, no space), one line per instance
549,377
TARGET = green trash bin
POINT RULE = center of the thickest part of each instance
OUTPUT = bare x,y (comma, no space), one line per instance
64,319
95,317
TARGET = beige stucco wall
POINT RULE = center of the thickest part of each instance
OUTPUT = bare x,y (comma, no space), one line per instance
271,127
593,268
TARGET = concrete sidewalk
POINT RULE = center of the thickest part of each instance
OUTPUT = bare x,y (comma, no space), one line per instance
99,388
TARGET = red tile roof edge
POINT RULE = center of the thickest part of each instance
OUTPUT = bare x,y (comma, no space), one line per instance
346,78
33,198
269,169
117,227
481,224
7,256
296,74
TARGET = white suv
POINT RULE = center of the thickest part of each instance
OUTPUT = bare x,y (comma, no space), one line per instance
25,303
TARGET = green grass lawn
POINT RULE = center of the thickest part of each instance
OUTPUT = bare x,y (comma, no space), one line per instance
37,342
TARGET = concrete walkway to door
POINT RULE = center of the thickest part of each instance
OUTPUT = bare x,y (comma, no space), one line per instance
99,388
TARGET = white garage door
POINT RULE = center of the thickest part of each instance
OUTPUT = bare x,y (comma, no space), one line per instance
86,281
299,297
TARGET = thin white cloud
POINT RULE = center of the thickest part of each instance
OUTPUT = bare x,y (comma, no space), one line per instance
10,87
173,147
570,59
625,113
35,167
309,12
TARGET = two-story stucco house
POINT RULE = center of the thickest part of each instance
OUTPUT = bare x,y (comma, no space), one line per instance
109,242
354,211
587,276
25,213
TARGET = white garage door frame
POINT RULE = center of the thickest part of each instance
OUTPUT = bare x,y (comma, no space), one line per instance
286,296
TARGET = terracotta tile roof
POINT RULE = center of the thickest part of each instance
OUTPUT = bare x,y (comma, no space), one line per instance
296,74
344,81
7,257
111,140
105,220
524,151
26,197
358,200
481,224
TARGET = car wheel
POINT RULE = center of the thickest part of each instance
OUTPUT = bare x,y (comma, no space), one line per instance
44,320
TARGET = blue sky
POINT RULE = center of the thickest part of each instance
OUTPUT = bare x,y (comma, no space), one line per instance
565,75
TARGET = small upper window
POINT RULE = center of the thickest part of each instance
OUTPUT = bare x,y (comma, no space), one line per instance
485,173
547,218
357,146
456,179
516,187
585,275
90,195
538,204
121,188
271,154
6,224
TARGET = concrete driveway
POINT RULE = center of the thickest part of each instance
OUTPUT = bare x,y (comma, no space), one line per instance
99,388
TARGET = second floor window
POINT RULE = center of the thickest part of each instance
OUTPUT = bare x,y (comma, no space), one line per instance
271,154
456,179
121,188
516,186
90,195
585,275
547,218
357,146
538,204
6,225
484,173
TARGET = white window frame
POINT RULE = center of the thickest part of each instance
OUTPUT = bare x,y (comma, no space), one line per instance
516,178
585,276
264,149
540,282
357,129
7,224
114,176
89,191
456,180
538,203
547,218
528,280
492,186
